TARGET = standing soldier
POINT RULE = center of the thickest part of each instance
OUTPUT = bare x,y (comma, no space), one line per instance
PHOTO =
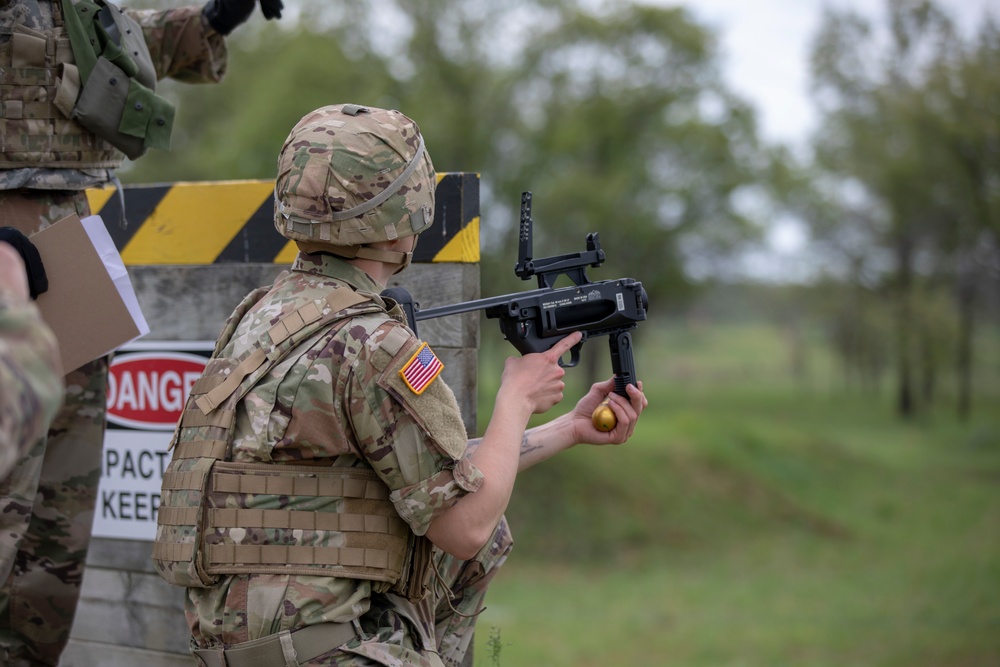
77,95
323,506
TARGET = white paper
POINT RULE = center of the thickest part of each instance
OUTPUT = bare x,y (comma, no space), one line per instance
98,233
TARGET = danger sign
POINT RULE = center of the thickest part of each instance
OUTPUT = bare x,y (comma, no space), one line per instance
147,390
148,385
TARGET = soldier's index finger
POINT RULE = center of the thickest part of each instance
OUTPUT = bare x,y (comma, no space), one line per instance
564,344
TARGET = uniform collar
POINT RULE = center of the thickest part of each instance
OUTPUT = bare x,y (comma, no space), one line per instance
333,267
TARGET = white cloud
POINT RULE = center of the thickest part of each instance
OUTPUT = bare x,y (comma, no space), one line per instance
765,49
765,52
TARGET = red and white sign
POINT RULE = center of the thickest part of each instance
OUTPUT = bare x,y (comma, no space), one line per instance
147,390
148,385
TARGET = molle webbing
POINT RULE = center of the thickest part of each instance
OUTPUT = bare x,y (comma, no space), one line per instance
351,527
236,482
256,558
275,485
352,503
196,449
34,131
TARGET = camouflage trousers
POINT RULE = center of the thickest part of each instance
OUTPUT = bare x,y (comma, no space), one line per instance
47,502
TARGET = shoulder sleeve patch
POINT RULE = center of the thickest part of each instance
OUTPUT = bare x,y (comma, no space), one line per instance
431,404
422,369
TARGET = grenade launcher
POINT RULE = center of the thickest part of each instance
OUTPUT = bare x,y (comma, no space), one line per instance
533,321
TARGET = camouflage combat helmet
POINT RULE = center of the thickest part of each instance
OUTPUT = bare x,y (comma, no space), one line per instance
350,175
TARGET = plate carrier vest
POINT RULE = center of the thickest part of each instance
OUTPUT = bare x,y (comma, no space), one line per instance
69,106
220,517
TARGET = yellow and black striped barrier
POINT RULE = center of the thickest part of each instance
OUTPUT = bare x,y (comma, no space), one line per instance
217,222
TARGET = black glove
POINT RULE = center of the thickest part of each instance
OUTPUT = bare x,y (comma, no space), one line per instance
271,9
225,15
38,283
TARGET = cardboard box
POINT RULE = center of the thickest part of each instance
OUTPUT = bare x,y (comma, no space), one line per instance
90,304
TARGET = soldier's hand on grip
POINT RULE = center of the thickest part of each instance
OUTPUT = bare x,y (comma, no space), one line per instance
536,379
619,426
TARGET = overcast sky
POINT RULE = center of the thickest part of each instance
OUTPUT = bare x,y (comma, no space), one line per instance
765,47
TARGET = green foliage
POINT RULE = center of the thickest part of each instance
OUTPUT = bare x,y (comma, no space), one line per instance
617,139
908,159
494,646
235,130
618,120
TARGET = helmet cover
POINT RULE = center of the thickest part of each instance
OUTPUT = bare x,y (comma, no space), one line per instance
350,175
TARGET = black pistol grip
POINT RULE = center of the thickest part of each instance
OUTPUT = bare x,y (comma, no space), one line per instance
622,361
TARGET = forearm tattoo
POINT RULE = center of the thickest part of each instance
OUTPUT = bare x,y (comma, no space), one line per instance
526,448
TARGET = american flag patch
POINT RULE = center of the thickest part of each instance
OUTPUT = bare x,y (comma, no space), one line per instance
421,369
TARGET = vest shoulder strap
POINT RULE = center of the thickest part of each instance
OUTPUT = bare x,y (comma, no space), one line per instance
279,340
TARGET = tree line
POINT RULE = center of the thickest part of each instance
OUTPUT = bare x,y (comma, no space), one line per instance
617,117
904,191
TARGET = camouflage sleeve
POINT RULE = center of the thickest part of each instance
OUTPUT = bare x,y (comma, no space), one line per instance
415,442
31,388
182,44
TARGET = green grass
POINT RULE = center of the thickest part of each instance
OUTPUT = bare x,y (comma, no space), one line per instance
756,519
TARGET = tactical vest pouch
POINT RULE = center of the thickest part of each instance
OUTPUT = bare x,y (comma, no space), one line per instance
123,112
117,101
180,522
69,89
27,48
417,568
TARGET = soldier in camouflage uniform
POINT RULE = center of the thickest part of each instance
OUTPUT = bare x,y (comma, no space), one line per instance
279,572
30,375
47,160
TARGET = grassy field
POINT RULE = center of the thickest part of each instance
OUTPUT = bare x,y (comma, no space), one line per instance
756,520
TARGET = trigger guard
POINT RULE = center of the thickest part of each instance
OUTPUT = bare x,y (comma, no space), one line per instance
574,356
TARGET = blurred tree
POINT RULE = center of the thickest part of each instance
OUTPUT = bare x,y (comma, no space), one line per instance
278,71
890,152
963,104
614,115
625,128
